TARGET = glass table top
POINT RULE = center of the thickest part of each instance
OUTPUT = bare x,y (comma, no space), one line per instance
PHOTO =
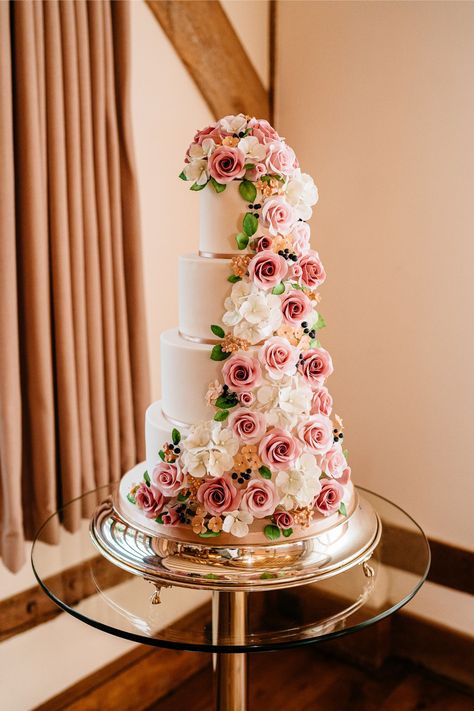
120,603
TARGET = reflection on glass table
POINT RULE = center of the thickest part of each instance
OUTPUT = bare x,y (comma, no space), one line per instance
232,623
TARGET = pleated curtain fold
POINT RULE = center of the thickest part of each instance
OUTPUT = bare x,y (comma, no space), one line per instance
74,379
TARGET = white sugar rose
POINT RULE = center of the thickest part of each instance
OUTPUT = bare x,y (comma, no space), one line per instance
208,449
254,151
253,313
299,485
302,194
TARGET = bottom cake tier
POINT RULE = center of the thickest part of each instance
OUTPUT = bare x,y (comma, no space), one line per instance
256,536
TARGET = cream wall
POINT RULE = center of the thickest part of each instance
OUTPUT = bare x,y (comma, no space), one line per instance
377,99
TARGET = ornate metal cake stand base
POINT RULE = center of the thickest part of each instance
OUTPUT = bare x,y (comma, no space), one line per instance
246,568
232,572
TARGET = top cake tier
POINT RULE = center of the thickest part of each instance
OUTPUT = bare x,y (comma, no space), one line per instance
221,217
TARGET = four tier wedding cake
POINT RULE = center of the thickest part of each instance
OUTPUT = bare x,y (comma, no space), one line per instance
243,447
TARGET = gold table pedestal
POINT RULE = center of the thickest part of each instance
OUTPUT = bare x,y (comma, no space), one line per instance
229,623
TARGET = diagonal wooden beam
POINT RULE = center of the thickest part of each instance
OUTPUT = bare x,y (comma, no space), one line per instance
209,48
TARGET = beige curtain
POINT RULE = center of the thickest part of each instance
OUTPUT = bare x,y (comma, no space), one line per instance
74,379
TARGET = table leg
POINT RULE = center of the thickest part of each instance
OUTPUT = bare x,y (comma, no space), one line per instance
229,622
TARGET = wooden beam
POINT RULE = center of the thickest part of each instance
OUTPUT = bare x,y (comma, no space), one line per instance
209,48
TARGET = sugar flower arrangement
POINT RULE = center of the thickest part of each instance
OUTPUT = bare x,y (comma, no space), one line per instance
272,451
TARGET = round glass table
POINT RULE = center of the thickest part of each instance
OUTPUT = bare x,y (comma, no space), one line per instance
232,623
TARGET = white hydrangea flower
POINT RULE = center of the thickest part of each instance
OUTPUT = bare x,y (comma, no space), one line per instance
285,401
237,523
254,151
233,124
209,449
196,171
254,313
298,486
302,193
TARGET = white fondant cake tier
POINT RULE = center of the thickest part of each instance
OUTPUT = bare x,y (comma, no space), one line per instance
186,371
135,516
203,288
220,219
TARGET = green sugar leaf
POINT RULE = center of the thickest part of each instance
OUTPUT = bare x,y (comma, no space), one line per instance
278,289
233,278
249,166
211,576
218,354
217,331
248,190
250,224
159,519
265,472
183,497
218,187
146,476
182,175
221,415
242,240
346,454
209,534
342,509
226,401
161,455
314,343
287,532
320,323
131,498
272,532
176,436
197,187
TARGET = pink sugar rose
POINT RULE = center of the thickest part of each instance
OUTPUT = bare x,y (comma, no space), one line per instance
256,172
283,519
295,272
278,215
329,498
241,372
212,131
300,235
168,478
316,433
281,159
321,402
295,307
334,462
150,500
171,518
246,399
264,243
259,498
263,131
267,269
345,477
226,163
248,425
315,367
279,357
218,495
313,274
279,449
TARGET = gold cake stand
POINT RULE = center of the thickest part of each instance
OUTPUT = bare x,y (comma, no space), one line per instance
232,572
